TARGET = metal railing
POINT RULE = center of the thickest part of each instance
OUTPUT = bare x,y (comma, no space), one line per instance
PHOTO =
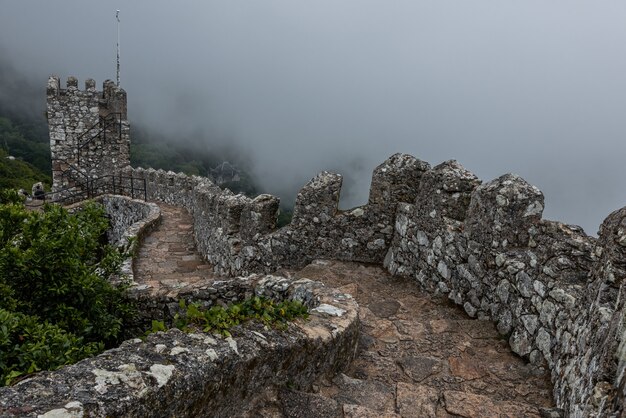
133,187
71,171
83,183
105,122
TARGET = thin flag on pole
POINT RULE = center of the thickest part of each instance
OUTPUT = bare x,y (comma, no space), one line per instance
117,17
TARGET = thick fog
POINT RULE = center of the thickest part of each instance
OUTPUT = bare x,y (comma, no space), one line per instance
536,88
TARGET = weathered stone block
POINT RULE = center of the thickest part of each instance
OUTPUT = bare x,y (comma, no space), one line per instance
446,191
397,180
502,212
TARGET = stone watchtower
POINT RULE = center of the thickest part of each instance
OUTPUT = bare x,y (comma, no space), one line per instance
89,135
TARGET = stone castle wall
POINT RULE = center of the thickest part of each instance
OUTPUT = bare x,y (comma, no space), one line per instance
178,374
238,235
89,131
555,293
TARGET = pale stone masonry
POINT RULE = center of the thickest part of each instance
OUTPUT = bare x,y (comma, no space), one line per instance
89,132
556,294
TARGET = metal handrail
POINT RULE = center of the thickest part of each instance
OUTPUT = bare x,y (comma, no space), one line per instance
100,120
102,124
71,170
89,190
47,196
83,181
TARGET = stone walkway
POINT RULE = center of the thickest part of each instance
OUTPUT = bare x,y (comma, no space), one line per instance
419,356
168,259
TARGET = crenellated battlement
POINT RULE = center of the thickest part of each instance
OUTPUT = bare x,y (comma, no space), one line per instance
555,293
238,235
55,89
111,99
483,245
89,132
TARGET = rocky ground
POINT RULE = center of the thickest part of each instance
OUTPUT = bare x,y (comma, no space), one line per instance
419,356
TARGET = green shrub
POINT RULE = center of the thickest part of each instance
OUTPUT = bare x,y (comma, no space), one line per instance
220,320
16,174
54,267
28,344
10,196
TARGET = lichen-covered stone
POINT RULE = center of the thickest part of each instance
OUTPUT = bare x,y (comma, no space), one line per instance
397,180
190,375
504,210
446,191
558,292
555,290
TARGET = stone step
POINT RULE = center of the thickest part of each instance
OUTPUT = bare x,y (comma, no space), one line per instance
358,411
470,405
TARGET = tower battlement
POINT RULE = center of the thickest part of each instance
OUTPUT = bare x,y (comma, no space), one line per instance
89,132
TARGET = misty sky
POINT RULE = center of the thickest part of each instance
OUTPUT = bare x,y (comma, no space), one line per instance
537,88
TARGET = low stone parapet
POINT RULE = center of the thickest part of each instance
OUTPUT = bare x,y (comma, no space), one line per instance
130,220
188,375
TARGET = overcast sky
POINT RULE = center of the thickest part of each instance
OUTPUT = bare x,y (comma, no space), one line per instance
537,88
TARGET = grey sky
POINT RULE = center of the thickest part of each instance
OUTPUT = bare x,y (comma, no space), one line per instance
536,88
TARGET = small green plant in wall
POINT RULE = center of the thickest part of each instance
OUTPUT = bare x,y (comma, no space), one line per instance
220,320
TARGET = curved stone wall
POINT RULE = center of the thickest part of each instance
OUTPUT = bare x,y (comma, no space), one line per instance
553,291
238,235
556,293
191,375
129,221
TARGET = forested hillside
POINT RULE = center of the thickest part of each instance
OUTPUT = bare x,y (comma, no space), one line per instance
18,174
25,138
149,149
24,153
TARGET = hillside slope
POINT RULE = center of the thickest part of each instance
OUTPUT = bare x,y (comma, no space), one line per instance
18,174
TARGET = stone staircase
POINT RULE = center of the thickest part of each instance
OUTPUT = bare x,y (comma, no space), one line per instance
168,259
418,356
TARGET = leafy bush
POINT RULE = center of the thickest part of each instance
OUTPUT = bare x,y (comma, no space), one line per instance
10,196
220,320
28,345
54,267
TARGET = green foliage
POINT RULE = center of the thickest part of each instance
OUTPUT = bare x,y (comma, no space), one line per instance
18,174
187,156
26,139
152,150
10,196
28,345
245,185
220,320
54,267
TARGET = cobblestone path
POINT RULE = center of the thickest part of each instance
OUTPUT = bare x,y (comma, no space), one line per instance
168,259
419,356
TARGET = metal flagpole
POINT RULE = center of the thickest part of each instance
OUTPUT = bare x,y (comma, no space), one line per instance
117,16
